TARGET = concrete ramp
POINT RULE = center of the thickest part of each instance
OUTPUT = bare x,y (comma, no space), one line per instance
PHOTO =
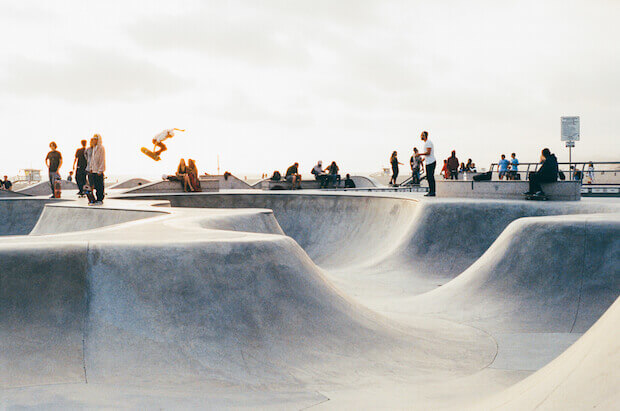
584,377
129,183
43,188
547,274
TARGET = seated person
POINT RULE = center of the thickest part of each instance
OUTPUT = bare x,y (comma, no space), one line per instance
276,176
192,174
182,175
293,176
548,173
319,174
333,176
348,182
6,184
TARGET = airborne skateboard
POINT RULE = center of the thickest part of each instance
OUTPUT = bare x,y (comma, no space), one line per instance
150,153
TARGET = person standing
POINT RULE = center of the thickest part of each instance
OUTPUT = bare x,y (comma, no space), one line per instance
503,167
590,173
53,161
431,163
415,161
79,165
97,167
453,166
514,166
394,161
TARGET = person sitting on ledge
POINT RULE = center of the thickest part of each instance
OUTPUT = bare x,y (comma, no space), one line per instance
333,176
319,174
348,182
548,173
293,176
276,176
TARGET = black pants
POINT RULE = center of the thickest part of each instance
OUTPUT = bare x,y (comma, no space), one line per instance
430,177
454,174
394,173
537,179
80,179
96,181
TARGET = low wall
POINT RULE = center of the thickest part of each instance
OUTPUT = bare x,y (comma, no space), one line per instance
510,190
207,185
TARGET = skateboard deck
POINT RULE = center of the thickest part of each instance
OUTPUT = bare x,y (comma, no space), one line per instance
150,153
534,197
89,194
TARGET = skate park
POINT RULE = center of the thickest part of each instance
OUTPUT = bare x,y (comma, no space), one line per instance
326,300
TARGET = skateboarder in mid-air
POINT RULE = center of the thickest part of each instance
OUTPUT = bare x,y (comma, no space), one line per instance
159,147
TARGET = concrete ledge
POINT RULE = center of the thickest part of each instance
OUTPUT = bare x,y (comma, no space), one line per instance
207,185
510,190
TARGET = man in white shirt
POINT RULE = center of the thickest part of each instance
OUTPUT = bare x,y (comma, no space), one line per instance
431,162
158,145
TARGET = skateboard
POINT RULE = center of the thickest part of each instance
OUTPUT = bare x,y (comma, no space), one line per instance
150,153
57,189
89,194
534,197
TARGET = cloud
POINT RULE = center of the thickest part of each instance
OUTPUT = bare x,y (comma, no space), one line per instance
89,75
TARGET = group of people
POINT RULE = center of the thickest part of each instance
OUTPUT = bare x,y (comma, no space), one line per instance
509,169
187,175
451,168
325,176
417,162
88,165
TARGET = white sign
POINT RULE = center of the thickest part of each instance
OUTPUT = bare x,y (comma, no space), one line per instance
570,128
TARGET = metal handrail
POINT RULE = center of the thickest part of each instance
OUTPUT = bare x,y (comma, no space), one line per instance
572,163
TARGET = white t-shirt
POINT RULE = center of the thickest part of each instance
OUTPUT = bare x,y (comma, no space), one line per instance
430,158
164,135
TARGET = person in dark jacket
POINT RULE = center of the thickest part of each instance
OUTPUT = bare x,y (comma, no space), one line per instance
453,166
548,173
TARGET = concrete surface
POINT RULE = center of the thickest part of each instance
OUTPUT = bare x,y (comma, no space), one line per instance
507,190
129,183
43,188
167,186
325,300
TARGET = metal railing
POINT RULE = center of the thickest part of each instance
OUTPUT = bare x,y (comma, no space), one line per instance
579,171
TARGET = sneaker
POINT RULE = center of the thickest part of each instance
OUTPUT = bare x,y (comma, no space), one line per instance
539,194
429,195
528,193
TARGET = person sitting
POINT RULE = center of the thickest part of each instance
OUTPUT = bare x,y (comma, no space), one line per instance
333,176
276,176
319,174
183,176
192,173
293,176
348,182
6,184
548,173
472,168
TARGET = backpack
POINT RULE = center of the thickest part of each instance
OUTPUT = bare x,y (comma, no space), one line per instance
561,175
483,176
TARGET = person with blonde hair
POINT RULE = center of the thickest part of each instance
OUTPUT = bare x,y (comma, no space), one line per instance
192,174
183,176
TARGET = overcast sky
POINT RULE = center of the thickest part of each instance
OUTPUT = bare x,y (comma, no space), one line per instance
266,83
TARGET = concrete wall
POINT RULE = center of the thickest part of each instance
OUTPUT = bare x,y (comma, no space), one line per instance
207,185
509,190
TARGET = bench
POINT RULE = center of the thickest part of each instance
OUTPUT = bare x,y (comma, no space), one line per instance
511,190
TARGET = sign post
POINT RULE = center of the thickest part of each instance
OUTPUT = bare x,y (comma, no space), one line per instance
570,134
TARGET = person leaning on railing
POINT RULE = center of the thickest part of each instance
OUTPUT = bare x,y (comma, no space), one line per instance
548,173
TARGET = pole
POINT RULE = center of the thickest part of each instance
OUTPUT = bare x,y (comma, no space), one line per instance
570,152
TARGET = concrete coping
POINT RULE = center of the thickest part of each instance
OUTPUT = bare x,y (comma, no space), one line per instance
511,190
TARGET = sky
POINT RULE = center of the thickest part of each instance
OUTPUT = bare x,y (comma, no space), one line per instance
261,84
